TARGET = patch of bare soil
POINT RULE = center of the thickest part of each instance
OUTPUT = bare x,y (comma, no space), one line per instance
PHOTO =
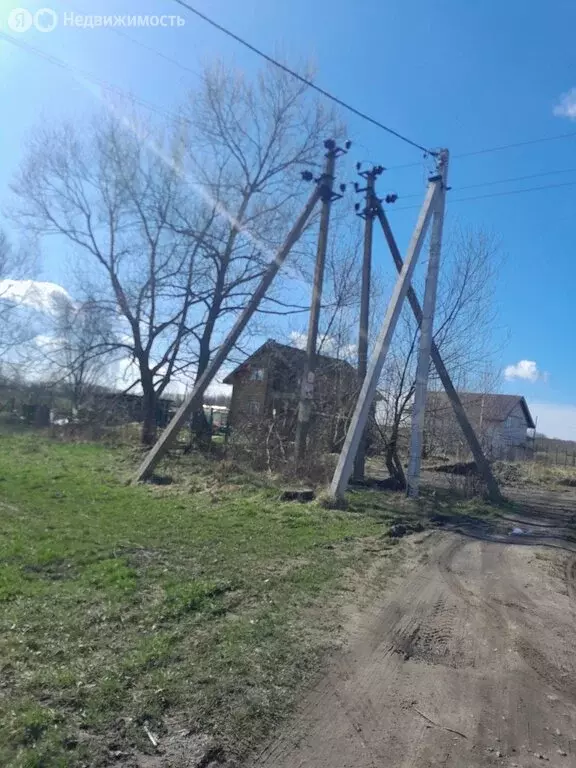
469,660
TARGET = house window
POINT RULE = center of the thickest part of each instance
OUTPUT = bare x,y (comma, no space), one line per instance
253,407
509,422
256,374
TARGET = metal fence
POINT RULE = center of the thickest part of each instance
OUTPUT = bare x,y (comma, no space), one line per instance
540,450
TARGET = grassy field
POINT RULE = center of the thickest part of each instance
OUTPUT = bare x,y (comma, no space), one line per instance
188,612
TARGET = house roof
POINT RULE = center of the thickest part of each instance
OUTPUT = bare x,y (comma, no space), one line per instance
293,357
489,407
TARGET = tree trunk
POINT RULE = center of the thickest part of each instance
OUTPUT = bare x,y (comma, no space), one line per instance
393,463
201,431
148,411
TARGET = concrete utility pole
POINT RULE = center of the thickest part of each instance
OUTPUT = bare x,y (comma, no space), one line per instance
368,214
459,412
194,400
326,186
362,410
427,331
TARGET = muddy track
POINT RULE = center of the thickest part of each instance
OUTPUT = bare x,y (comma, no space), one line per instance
571,576
517,600
469,660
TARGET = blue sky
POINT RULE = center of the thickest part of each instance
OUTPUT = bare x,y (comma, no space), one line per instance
463,75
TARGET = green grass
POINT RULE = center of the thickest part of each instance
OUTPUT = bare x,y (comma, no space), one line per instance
191,607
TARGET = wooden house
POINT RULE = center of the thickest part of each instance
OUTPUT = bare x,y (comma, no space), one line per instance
502,423
266,391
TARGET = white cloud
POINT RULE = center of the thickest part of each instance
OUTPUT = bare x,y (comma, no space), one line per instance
329,345
555,420
526,370
34,294
567,105
298,339
47,342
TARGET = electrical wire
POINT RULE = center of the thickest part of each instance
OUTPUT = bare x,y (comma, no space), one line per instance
500,181
158,110
514,191
304,80
488,150
145,46
92,78
495,194
518,178
158,53
502,147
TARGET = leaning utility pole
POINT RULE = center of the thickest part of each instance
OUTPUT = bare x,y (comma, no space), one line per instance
194,400
368,215
366,398
459,412
326,186
427,331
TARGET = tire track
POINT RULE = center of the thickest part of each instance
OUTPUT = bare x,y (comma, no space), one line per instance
559,680
461,640
454,582
570,575
536,659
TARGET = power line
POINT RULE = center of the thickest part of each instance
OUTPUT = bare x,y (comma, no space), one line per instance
304,80
158,110
488,150
150,48
515,191
500,181
518,178
497,194
91,78
502,147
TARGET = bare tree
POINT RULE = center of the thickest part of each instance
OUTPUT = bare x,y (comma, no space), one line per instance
176,230
17,325
6,304
464,334
111,193
81,347
248,144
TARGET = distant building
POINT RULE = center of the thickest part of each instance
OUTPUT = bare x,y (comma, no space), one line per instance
501,423
217,417
266,390
121,408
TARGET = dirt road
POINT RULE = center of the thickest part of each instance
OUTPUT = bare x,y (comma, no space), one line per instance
470,660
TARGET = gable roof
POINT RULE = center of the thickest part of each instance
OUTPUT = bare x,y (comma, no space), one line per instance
293,357
478,406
